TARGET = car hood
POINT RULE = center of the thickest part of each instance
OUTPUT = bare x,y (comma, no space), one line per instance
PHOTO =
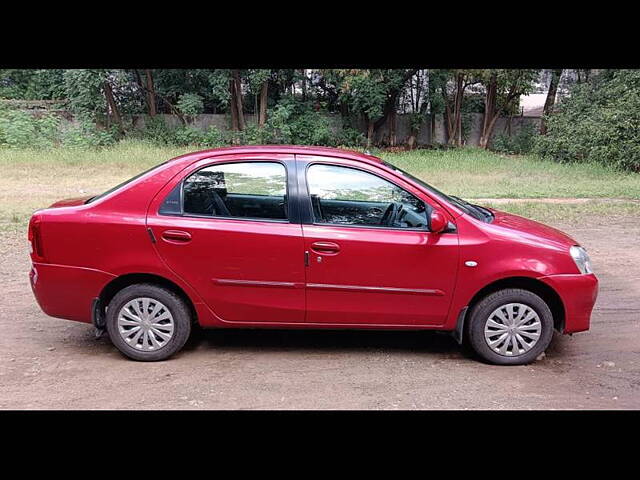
71,202
529,230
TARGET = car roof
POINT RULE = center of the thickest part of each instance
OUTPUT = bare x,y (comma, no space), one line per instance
290,149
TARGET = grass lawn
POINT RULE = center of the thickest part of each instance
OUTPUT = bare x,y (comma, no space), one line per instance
477,173
31,179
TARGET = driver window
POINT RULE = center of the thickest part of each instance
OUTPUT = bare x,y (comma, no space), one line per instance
347,196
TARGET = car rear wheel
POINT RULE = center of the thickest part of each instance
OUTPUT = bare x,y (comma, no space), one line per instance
147,322
510,327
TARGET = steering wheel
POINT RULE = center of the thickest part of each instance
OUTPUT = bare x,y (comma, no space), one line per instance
390,214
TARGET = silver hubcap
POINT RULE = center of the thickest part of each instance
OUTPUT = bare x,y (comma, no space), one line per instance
512,329
145,324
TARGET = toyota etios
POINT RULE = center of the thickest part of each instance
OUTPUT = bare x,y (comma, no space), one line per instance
303,237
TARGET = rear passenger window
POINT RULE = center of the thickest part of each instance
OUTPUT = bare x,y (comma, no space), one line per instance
244,190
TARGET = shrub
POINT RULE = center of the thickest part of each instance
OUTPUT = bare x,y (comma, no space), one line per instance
519,143
86,134
190,104
298,123
350,137
21,129
598,122
158,132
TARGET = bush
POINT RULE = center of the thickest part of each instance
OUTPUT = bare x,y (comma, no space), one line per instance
20,129
598,122
298,123
519,143
85,134
190,104
288,122
158,132
351,137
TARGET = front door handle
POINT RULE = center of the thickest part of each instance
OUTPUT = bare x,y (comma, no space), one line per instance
325,248
176,236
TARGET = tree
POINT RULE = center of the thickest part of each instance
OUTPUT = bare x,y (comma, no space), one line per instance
112,111
502,89
365,92
149,90
551,99
598,122
418,95
373,94
259,84
42,84
235,89
394,81
452,85
84,89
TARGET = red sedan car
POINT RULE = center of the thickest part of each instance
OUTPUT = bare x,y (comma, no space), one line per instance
303,237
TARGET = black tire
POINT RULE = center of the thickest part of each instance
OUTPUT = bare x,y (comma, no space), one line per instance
479,316
174,303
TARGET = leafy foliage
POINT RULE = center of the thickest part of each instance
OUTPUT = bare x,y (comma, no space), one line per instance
21,129
519,143
190,104
598,122
43,84
84,92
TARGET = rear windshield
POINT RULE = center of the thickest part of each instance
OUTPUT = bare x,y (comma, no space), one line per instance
97,197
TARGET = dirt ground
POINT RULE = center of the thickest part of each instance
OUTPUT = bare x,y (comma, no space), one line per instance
47,363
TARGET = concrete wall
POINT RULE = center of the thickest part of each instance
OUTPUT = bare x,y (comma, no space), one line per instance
503,126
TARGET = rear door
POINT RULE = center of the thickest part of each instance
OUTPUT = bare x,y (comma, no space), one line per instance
230,230
372,259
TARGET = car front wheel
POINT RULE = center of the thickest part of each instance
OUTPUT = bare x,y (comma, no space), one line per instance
147,322
510,327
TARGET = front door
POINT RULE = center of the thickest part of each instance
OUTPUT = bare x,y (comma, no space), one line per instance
227,230
371,257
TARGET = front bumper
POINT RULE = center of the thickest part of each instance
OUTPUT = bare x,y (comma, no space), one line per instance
578,293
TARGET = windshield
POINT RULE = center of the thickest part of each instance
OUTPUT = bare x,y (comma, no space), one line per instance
475,211
97,197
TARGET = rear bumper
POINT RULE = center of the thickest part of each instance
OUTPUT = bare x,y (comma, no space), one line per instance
67,292
578,293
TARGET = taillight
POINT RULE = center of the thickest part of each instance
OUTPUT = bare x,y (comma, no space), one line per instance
35,238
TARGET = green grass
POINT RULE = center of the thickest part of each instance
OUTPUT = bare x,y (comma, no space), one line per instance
476,173
554,213
31,178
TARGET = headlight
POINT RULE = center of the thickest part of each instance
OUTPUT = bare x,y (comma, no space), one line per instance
581,257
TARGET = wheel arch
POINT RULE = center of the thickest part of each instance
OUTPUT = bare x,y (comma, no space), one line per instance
544,291
123,281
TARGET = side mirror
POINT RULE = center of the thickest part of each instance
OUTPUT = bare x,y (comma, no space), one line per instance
438,222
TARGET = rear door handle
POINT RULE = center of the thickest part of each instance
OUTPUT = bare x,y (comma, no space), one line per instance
325,248
176,236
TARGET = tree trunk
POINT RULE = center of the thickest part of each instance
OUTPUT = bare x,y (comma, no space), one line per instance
432,132
392,100
370,128
392,128
262,112
113,107
236,98
457,108
151,93
445,130
233,106
411,141
490,114
551,99
304,84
